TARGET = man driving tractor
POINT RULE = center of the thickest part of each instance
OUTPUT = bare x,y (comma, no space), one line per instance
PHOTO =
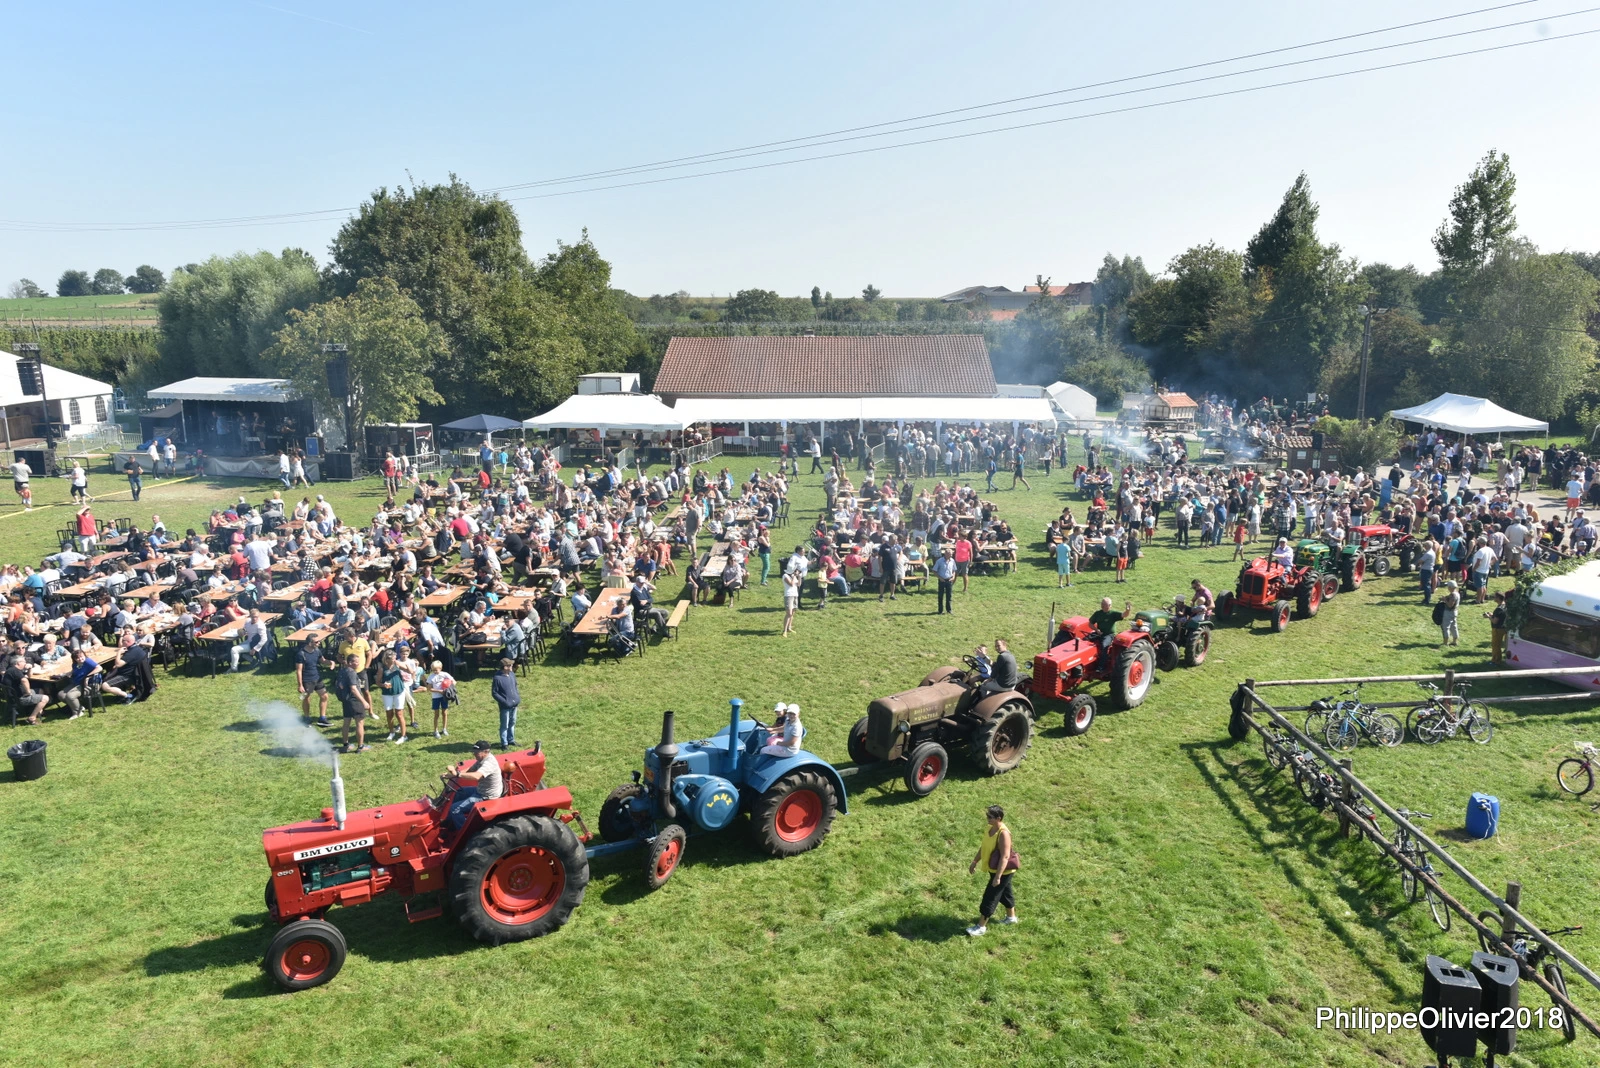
1105,621
1003,676
481,782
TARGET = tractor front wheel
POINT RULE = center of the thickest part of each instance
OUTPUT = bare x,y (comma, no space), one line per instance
795,813
616,813
1407,554
1003,740
1352,570
925,768
1167,654
1380,566
1225,605
1134,670
518,878
1080,714
663,856
856,744
1330,586
305,953
1280,616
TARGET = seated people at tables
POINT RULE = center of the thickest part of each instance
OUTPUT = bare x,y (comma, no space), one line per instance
20,692
151,606
623,636
79,684
642,599
50,652
580,601
254,640
132,679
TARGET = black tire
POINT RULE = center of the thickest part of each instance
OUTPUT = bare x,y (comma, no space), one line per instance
1308,599
1225,605
856,744
305,953
1134,673
616,822
1380,566
1003,740
1407,553
1316,724
1552,975
1388,730
1575,776
926,768
1080,713
795,813
663,856
1352,570
1330,587
1280,616
1167,656
1475,718
518,878
1310,786
1272,745
1490,919
1410,885
1425,724
1197,648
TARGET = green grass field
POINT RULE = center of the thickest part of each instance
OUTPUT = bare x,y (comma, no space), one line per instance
119,307
1180,906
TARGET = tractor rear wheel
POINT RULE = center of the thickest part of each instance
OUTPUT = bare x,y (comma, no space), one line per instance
856,744
795,813
305,953
1080,714
616,817
1131,680
1280,616
1407,554
1352,570
1380,566
518,878
1225,605
1330,586
1196,648
925,768
1003,740
1308,598
1167,654
662,858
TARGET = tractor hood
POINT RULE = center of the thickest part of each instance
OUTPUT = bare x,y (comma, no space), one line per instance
378,829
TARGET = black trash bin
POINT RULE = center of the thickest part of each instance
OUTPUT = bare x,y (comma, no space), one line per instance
27,760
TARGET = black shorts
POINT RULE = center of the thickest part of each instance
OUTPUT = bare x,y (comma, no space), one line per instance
316,686
353,710
19,486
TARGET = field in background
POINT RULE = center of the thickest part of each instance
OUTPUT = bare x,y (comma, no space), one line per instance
125,309
1180,906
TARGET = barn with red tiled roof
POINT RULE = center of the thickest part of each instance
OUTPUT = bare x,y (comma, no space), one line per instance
935,365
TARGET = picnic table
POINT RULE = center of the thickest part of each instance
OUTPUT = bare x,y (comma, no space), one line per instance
230,630
223,592
287,595
594,623
517,600
443,597
108,558
157,588
80,589
998,554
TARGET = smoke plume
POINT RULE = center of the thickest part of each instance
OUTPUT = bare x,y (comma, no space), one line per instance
292,734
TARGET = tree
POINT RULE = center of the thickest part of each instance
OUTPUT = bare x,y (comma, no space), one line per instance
391,347
145,279
1519,335
218,317
1393,288
74,284
579,278
1188,321
1482,215
25,288
1119,281
1294,223
751,306
1362,446
107,282
871,293
816,296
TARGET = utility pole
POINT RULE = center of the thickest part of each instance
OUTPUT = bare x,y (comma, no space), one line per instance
1366,351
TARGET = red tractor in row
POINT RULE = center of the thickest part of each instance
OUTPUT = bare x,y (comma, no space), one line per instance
513,870
1379,541
1265,585
1078,657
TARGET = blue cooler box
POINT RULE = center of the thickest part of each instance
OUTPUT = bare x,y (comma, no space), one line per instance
1483,815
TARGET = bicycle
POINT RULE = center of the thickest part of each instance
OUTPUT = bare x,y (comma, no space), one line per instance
1315,785
1575,774
1532,951
1278,749
1417,876
1437,720
1350,721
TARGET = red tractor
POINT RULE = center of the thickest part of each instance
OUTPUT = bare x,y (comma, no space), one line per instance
1077,657
1265,585
1378,541
513,870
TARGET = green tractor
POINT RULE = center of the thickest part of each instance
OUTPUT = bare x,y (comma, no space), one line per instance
1178,636
1344,562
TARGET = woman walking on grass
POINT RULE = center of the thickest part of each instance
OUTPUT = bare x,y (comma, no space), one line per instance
791,600
1448,609
998,855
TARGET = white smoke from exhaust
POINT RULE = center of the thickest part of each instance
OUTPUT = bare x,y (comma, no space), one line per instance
291,732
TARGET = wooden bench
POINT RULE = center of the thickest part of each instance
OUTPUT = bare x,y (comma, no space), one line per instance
676,618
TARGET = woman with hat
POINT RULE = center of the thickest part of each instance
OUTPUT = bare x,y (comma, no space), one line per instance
1446,610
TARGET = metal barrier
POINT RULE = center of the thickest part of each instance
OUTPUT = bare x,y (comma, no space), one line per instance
1245,698
701,453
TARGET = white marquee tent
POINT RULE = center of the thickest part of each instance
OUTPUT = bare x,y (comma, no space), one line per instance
1468,415
609,411
81,404
1074,401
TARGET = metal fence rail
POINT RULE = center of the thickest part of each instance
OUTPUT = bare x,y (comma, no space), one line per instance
1246,700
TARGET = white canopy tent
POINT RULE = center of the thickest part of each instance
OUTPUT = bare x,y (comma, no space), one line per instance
1468,415
1075,402
609,411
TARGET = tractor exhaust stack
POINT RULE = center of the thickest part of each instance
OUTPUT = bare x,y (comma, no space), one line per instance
1050,635
666,753
337,784
733,734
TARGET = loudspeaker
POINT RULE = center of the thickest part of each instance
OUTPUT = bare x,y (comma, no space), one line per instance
339,467
339,377
30,375
1497,978
1317,439
1454,993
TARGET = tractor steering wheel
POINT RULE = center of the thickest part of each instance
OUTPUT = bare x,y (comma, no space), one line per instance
971,662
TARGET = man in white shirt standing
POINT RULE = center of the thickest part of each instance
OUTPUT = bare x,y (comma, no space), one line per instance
20,474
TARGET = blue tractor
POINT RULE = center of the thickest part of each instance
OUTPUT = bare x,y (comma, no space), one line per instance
706,785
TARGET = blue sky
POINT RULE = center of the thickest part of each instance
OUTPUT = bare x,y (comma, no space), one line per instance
196,111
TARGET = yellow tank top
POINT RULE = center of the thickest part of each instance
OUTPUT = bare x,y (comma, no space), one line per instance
993,862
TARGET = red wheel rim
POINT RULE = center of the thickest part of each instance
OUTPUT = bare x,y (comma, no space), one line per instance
305,960
523,885
1316,594
1360,570
1136,673
930,769
1081,718
668,859
798,816
1283,618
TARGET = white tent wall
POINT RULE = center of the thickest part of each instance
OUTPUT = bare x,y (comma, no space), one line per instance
609,411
